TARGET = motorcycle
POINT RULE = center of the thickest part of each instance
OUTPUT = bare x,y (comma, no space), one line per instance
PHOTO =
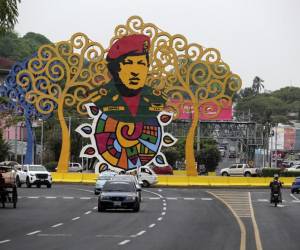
275,198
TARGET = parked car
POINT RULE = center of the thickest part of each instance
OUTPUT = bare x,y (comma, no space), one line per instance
290,163
168,170
296,186
130,178
119,194
75,167
240,169
293,168
102,178
33,175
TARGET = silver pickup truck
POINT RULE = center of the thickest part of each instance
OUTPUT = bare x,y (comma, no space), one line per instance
240,169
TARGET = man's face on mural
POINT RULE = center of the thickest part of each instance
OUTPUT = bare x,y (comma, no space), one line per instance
133,71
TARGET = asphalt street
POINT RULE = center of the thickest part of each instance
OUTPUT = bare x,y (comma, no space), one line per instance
66,217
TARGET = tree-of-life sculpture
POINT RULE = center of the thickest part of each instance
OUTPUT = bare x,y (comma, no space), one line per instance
177,70
65,74
19,106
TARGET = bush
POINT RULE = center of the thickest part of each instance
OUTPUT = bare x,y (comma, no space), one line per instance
50,166
269,172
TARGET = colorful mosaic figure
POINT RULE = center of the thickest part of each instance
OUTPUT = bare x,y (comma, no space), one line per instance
128,128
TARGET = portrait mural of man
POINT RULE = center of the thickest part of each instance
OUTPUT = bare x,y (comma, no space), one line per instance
128,133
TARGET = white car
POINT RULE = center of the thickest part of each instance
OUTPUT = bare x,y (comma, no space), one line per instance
293,168
33,175
102,178
147,176
75,167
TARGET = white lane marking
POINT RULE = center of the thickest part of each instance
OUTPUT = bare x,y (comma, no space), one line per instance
206,199
153,193
85,190
189,199
4,241
263,200
85,198
296,201
33,197
172,198
154,198
163,213
295,198
164,208
95,208
34,232
255,227
152,225
124,242
140,233
57,225
164,200
88,212
68,197
76,218
50,197
279,205
159,190
54,235
159,219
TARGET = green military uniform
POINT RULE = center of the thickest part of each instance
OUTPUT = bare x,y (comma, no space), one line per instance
113,105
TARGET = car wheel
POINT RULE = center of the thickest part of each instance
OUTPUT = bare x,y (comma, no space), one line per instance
100,207
247,174
28,184
292,191
136,207
298,191
49,185
292,164
146,183
18,182
96,192
225,174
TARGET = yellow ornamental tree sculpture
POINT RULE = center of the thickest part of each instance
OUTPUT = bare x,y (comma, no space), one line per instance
185,71
65,74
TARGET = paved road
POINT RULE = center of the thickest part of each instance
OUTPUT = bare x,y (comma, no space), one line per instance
65,217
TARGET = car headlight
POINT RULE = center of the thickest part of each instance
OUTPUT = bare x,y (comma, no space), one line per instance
32,174
130,198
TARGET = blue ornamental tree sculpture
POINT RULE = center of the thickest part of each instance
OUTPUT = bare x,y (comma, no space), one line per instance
18,105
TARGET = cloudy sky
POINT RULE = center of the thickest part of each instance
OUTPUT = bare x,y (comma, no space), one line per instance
255,37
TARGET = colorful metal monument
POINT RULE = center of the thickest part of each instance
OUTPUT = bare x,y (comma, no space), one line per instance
125,89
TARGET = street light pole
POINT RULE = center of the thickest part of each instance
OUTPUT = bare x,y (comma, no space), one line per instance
42,142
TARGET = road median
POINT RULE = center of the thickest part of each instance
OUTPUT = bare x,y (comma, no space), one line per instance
181,180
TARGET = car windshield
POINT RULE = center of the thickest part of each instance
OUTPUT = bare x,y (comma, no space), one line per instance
37,168
118,186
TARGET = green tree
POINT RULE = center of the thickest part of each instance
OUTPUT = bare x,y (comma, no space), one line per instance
4,147
209,154
18,48
8,15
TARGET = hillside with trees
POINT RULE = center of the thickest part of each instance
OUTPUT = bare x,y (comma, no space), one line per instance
274,107
18,48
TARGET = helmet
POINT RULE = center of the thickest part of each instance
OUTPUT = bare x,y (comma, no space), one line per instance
276,176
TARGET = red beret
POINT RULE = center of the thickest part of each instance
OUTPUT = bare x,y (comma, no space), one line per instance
133,43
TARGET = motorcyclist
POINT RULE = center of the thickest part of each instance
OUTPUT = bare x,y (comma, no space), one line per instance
275,187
